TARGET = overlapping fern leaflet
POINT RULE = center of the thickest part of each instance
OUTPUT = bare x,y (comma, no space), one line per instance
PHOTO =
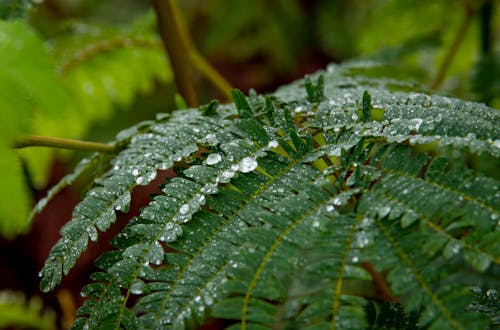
336,203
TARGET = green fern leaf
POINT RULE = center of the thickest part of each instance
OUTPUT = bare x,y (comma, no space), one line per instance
293,210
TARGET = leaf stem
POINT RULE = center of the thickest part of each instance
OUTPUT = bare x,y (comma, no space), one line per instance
176,44
457,41
54,142
381,287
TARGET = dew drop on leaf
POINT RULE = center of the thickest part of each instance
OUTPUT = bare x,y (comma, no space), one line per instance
273,144
209,300
337,201
213,159
248,164
92,233
184,209
492,293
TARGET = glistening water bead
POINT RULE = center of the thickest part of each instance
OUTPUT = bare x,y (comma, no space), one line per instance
248,164
213,159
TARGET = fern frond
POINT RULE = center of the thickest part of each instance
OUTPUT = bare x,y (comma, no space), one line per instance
310,208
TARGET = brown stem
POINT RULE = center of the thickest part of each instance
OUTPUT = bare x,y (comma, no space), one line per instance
381,287
176,44
452,51
53,142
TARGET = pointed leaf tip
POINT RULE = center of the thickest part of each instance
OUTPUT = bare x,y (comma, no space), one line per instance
367,104
241,104
315,92
210,108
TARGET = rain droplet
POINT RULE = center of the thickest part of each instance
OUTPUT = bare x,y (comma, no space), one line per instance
415,123
213,159
135,171
92,233
225,176
337,201
201,199
330,208
209,188
184,209
492,293
248,164
273,144
209,300
211,140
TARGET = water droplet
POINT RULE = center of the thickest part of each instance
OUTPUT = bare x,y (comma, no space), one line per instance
92,231
298,109
209,188
330,208
492,293
273,144
337,201
248,164
213,159
415,123
362,240
211,140
315,224
227,175
184,209
335,152
135,172
201,199
355,116
209,300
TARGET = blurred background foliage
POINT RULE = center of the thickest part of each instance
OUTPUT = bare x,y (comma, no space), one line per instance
89,68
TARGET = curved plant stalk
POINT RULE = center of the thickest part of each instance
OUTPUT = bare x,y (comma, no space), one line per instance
183,55
54,142
470,12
